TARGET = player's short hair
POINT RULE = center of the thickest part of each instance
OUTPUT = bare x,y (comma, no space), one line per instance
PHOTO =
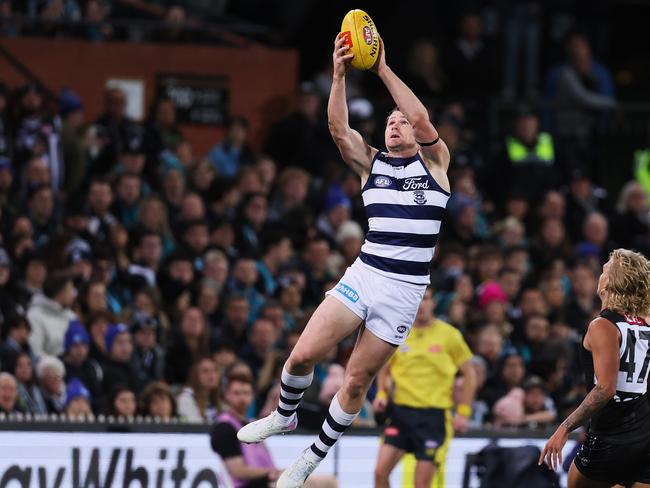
628,289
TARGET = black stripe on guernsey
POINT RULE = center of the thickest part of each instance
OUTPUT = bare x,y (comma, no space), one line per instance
284,412
334,424
291,389
325,439
398,266
318,452
413,212
397,161
289,401
402,239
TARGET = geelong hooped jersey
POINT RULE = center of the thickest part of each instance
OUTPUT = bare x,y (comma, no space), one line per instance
405,207
628,412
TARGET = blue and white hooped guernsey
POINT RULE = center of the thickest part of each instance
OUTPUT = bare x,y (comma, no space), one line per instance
405,207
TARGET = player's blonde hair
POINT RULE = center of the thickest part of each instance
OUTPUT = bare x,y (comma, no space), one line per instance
628,287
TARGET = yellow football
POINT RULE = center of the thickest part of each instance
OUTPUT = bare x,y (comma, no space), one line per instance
361,35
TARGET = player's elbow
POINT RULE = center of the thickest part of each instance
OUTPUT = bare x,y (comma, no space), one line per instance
420,120
607,390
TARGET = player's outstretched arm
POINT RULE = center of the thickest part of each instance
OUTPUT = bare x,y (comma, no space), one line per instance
354,150
415,112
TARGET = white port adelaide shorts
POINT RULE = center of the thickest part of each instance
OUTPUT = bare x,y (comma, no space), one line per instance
388,306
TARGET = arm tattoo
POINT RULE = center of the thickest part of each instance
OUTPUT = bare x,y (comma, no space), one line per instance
594,401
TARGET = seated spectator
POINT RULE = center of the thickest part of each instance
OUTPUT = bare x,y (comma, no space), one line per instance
77,400
250,465
595,232
535,338
50,313
97,326
631,224
147,354
509,409
539,409
118,365
243,281
128,192
582,83
8,394
276,253
252,215
209,301
92,298
258,351
551,244
583,304
489,345
17,330
199,400
121,402
493,302
510,374
234,326
335,214
190,341
30,398
233,152
157,401
79,365
51,372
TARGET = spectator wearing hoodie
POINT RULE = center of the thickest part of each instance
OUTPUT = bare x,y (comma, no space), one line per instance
77,400
50,313
78,365
119,366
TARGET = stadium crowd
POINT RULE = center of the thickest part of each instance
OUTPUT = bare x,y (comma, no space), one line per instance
136,274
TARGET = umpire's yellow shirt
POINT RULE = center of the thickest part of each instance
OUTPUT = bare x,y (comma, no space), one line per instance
425,366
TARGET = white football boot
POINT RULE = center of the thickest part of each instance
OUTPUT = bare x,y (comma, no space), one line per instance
270,425
298,472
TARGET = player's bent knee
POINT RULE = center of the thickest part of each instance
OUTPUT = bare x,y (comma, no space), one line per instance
301,361
356,385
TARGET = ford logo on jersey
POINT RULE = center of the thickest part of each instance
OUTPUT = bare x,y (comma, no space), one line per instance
415,183
382,181
347,292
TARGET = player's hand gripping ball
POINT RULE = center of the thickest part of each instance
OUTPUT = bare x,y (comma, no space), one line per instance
362,38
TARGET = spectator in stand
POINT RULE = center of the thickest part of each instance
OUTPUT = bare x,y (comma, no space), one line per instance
252,217
315,256
176,282
162,132
539,409
50,372
118,364
158,401
584,303
535,339
16,330
7,206
79,365
584,84
258,351
423,71
147,354
153,217
8,394
5,138
100,199
276,254
527,160
583,199
116,127
510,374
72,113
77,400
632,221
470,62
595,231
97,326
199,400
122,402
209,301
191,341
50,313
128,192
335,214
551,244
302,139
234,327
489,345
147,256
41,214
30,398
243,281
231,154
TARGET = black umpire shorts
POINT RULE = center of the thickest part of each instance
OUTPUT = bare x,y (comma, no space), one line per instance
623,463
418,430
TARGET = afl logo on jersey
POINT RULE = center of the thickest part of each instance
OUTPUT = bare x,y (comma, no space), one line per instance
402,328
419,197
382,181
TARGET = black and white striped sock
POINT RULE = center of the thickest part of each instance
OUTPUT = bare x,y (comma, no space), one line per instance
336,423
292,388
